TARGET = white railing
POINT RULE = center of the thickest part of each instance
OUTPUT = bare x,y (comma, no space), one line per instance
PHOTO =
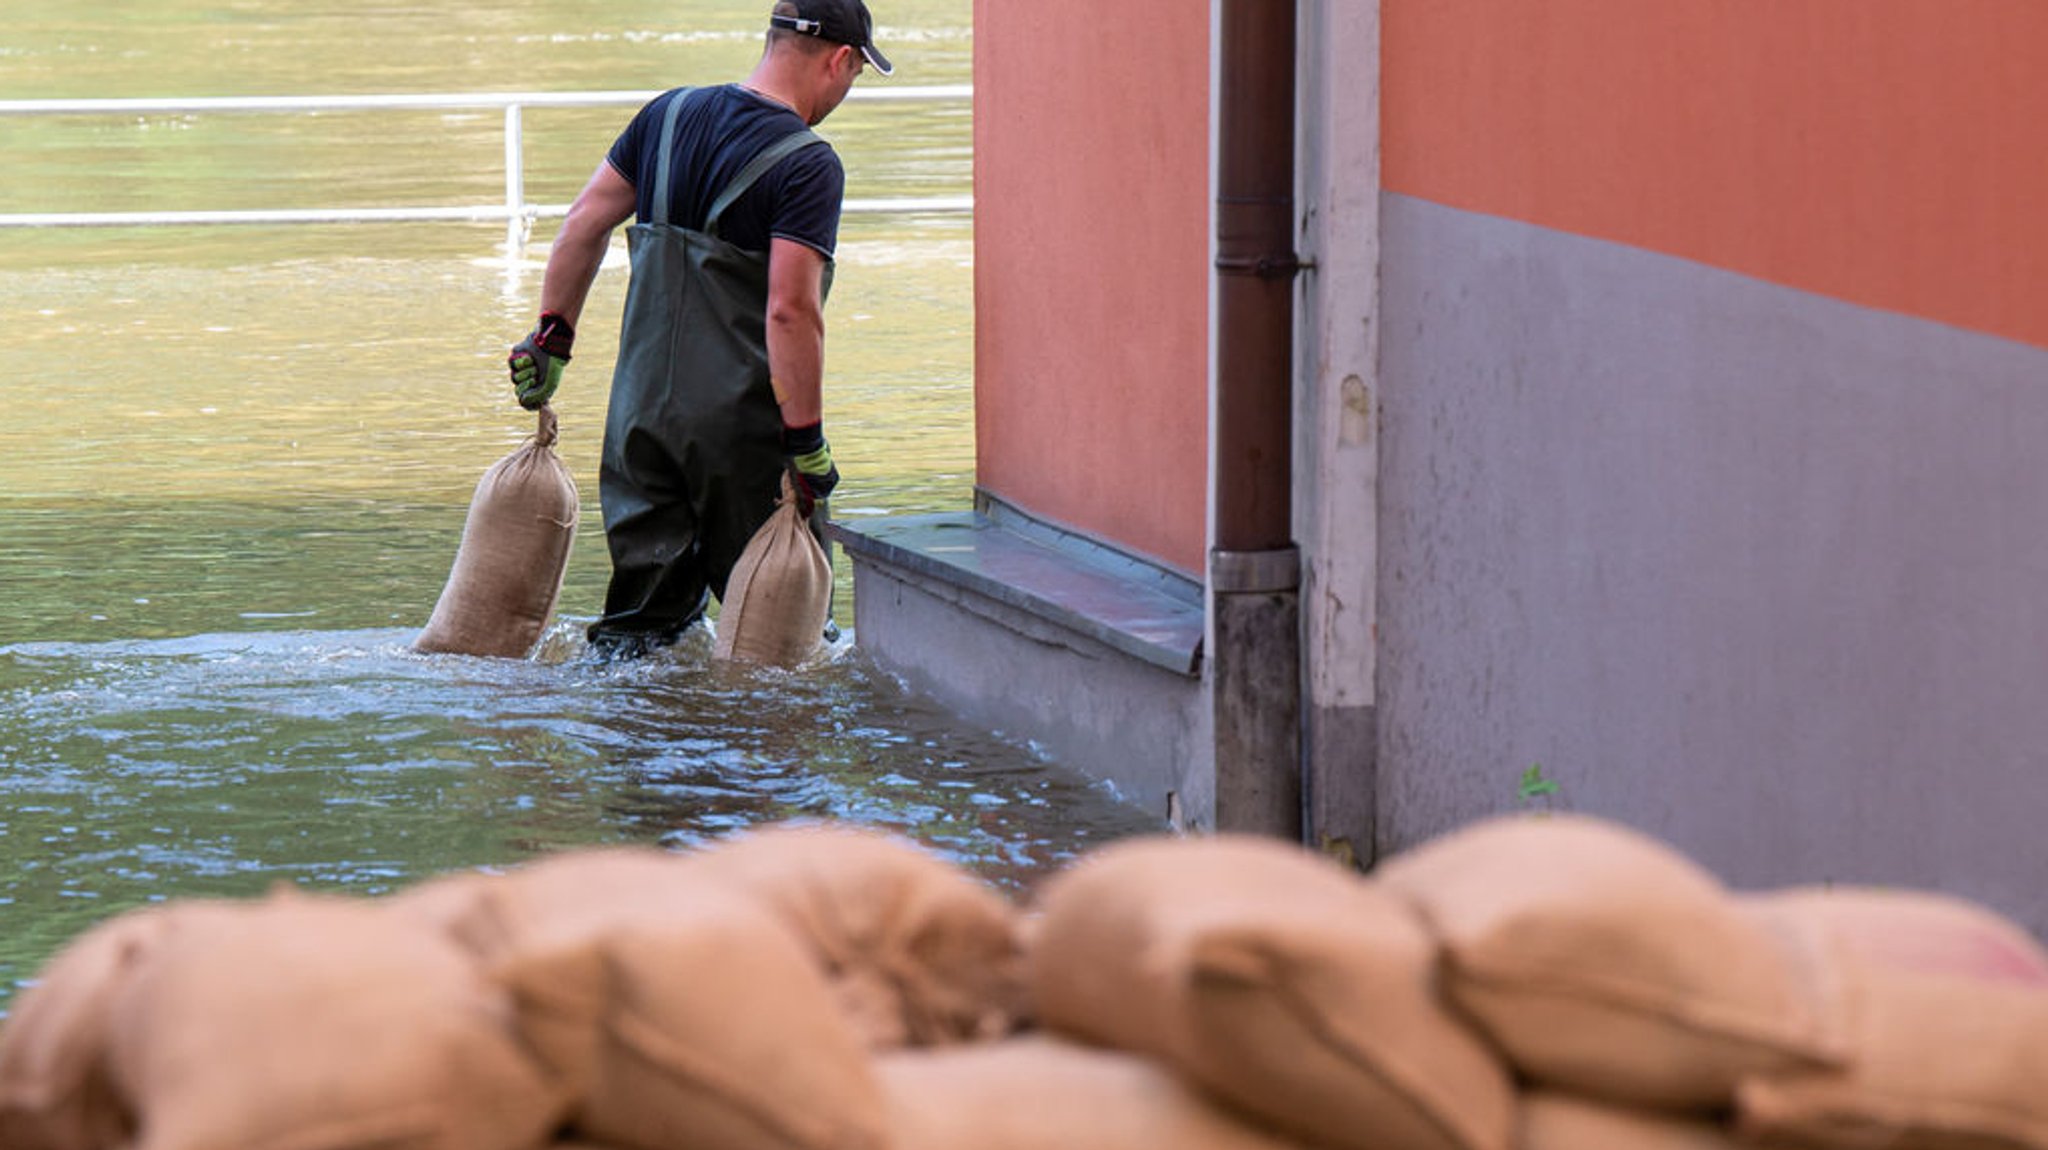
517,214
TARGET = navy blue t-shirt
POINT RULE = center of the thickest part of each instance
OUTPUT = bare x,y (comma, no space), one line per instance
717,132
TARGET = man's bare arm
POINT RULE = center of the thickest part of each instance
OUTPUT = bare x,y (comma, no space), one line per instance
603,204
796,330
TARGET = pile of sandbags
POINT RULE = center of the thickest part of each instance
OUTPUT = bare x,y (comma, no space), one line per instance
1643,1005
1294,992
1533,983
631,999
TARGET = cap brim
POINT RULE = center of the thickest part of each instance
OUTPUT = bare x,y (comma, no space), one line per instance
877,61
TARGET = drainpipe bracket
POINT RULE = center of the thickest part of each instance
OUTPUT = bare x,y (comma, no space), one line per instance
1255,572
1264,267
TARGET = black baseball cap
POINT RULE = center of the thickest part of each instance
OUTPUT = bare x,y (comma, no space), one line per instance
841,22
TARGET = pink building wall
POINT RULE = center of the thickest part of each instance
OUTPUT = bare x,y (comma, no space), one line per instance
1091,267
1870,150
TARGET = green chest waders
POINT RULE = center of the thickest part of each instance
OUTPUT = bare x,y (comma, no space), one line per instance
693,441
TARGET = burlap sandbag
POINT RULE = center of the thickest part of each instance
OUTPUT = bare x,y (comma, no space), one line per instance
562,905
445,903
678,1013
55,1088
1605,964
1911,930
564,899
515,549
919,952
1558,1122
317,1024
1283,984
710,1031
779,594
1042,1094
1936,1061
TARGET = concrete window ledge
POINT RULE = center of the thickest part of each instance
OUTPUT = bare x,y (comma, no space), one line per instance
1090,653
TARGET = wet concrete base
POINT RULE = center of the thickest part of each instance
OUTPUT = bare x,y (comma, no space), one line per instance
1256,683
1004,662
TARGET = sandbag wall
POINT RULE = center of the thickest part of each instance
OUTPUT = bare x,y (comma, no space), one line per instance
1533,983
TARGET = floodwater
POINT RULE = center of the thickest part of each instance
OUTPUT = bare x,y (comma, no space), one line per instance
234,463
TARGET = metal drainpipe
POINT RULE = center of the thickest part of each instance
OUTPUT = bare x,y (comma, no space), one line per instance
1254,566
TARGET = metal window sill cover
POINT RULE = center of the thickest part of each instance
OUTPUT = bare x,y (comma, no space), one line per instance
1126,603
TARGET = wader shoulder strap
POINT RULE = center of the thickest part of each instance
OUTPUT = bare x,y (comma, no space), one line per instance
668,147
756,167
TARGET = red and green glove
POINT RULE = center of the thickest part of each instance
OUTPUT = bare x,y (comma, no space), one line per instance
536,363
810,464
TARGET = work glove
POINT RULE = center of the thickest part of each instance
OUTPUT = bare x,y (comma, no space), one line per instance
810,464
536,364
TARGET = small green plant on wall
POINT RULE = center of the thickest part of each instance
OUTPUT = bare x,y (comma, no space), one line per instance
1536,789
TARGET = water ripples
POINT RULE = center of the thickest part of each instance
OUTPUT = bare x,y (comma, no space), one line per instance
220,764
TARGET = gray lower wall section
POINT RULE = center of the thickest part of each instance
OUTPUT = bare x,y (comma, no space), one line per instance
1339,784
1760,572
1142,730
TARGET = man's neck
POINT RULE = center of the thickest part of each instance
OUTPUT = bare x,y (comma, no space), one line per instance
768,81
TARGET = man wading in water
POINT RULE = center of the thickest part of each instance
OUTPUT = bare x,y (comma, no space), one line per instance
721,351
